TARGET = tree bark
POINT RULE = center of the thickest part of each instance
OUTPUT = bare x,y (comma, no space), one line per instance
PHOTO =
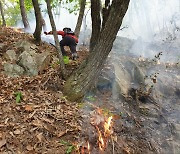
96,22
37,33
24,15
62,65
80,17
81,80
2,14
43,24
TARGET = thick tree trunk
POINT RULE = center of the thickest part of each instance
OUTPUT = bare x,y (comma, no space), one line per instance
63,70
96,22
37,33
2,14
80,17
81,80
24,15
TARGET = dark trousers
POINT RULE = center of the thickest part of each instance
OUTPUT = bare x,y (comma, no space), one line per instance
68,41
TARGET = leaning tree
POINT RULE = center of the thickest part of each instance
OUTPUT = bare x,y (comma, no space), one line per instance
80,17
2,14
38,29
106,29
24,14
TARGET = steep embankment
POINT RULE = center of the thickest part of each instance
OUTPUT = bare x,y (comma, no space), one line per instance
34,114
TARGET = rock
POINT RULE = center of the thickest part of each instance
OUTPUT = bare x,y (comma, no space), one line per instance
27,46
13,70
122,78
10,55
104,83
34,62
28,61
1,45
43,61
149,110
122,45
137,74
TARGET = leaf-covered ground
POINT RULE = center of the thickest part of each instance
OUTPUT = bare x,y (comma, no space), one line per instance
35,117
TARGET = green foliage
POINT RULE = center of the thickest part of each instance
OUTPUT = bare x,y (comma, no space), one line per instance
70,147
12,10
90,98
81,105
66,59
18,96
28,5
73,5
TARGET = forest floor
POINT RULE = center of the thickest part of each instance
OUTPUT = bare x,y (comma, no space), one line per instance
44,121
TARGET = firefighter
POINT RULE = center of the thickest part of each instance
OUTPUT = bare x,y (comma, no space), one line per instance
68,39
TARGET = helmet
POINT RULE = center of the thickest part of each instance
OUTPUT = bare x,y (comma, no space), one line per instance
66,29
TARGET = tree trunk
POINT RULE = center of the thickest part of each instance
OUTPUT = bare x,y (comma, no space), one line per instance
62,66
43,24
2,14
80,17
82,79
96,22
24,15
37,33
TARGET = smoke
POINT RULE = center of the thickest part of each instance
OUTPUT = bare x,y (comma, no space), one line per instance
147,18
153,27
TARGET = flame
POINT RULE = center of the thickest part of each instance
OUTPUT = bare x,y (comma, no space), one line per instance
88,146
107,126
82,150
101,140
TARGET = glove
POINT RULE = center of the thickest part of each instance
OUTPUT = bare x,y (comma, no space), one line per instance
46,33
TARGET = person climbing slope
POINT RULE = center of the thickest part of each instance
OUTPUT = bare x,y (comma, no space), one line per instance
68,39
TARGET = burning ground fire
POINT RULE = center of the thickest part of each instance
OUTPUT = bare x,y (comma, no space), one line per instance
103,126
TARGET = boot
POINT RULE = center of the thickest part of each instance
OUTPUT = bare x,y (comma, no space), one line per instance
74,56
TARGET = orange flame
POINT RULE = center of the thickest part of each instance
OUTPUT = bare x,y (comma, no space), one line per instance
107,126
88,146
101,140
82,150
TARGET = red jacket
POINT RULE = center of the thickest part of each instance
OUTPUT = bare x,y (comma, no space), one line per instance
62,33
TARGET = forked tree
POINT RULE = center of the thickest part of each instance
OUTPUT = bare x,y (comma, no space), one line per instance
103,36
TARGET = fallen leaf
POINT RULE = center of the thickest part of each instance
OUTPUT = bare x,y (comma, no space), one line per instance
6,121
17,132
32,114
29,148
48,120
28,108
59,134
37,123
40,137
2,142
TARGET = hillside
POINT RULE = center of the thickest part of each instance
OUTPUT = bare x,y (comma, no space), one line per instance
42,116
